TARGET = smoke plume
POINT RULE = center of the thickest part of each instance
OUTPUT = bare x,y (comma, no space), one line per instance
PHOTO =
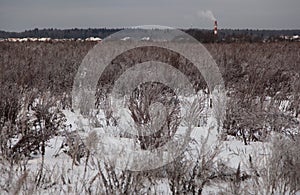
207,14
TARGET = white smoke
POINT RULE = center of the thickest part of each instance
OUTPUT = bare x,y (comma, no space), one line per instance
207,14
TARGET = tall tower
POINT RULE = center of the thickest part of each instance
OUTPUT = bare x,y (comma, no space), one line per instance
216,28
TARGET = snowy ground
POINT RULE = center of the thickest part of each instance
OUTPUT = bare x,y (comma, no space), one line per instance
233,151
66,175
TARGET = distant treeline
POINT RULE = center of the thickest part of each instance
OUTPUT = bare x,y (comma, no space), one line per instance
205,36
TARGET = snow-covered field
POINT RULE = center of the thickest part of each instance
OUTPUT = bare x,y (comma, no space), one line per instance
97,159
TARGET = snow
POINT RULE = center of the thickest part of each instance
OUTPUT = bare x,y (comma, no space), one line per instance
233,152
125,38
145,39
47,39
124,152
93,39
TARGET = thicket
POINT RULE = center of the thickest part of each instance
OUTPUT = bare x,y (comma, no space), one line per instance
262,82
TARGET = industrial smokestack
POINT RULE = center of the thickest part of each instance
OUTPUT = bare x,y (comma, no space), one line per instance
216,28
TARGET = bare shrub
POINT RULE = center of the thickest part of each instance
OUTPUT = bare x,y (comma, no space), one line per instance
254,118
74,146
36,121
284,165
40,123
253,73
122,182
154,129
190,175
10,105
196,112
270,170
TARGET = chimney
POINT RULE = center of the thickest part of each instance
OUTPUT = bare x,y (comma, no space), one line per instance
216,28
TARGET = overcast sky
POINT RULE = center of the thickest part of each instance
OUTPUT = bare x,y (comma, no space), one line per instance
19,15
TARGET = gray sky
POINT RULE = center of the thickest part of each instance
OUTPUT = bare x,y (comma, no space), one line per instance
19,15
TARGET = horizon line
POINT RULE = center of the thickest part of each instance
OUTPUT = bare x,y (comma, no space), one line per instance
122,28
